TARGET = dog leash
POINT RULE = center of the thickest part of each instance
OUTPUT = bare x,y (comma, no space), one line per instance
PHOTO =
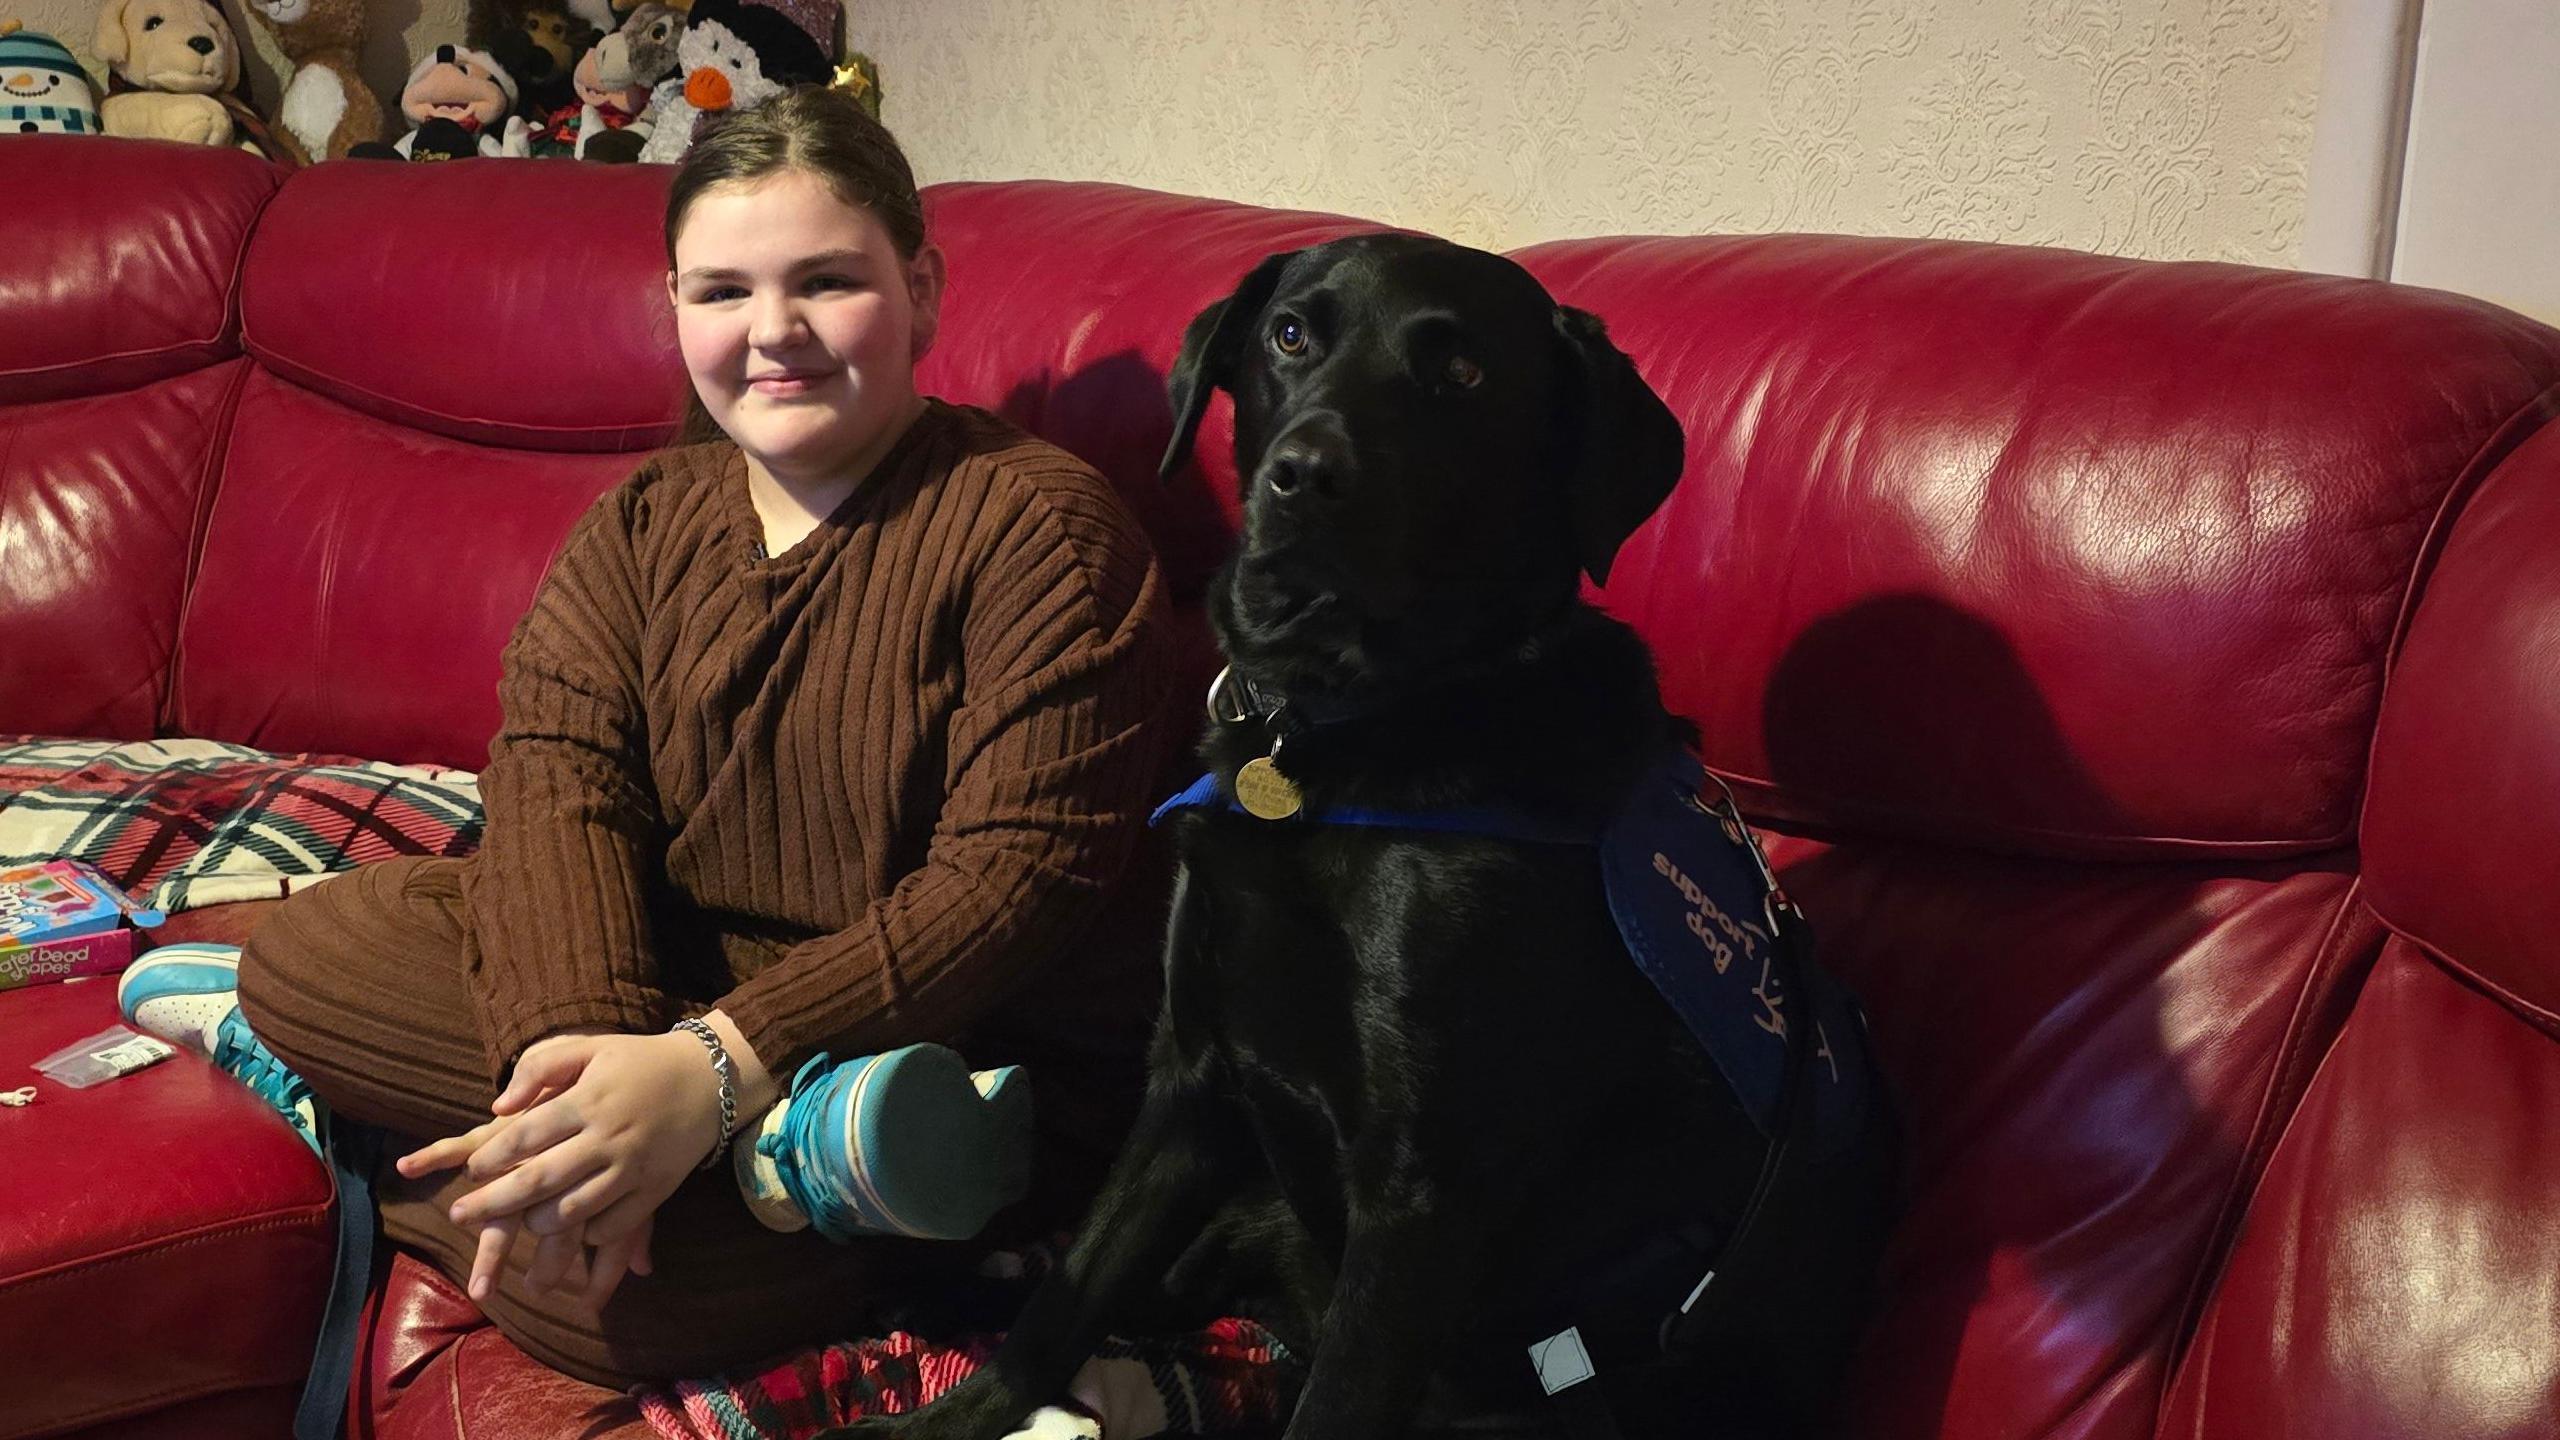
351,1152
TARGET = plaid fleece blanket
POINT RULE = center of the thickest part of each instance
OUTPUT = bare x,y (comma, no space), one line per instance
1230,1377
186,823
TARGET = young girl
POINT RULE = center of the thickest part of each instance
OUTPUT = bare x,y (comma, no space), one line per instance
819,741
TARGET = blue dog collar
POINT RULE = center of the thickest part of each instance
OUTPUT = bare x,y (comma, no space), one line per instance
1491,822
1698,910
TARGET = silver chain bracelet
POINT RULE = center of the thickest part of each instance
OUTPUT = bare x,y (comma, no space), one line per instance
727,1069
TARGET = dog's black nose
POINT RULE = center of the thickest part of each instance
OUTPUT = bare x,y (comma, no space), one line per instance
1304,471
201,44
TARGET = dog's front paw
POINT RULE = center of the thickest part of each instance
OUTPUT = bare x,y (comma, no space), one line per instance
1056,1422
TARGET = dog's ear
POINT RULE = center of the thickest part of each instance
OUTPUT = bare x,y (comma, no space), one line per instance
1211,346
1628,445
108,44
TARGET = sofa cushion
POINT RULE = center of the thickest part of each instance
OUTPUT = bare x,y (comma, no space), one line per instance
163,1236
2084,1057
140,288
262,1414
2399,1273
569,346
99,500
371,623
438,1370
2036,550
118,357
2461,829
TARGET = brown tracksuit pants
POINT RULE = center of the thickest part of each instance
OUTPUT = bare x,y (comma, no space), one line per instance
359,986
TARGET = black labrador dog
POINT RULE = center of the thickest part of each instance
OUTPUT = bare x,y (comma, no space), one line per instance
1409,1101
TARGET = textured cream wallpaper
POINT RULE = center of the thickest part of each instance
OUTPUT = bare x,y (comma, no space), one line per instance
2140,127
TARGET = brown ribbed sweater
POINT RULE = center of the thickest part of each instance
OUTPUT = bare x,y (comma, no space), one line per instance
853,794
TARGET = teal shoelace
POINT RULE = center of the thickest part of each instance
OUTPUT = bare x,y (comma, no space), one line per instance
238,1051
801,1134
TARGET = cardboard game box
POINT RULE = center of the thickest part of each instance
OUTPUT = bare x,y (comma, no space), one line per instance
61,918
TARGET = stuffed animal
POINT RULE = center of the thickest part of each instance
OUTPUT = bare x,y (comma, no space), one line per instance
539,44
613,82
173,73
470,91
42,89
326,109
483,21
441,139
859,77
736,55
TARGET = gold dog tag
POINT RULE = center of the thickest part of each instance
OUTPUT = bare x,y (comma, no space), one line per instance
1264,792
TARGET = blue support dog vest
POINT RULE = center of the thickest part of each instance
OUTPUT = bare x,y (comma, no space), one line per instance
1699,913
1702,915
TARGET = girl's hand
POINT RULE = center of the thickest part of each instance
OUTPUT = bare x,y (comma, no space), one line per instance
561,1259
569,1164
593,1132
497,1239
533,1082
632,1116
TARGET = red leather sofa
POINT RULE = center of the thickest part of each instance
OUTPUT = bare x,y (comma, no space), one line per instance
2150,674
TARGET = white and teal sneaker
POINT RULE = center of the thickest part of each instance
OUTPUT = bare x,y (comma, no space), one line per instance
908,1143
189,995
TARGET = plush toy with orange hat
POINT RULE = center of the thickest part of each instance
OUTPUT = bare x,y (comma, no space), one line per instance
736,55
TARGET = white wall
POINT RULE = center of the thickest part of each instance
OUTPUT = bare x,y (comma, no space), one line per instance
2178,128
2480,191
2142,127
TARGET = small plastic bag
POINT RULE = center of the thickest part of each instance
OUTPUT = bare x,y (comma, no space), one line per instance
104,1056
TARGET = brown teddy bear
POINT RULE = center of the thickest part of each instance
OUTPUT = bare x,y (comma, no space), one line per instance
173,73
326,108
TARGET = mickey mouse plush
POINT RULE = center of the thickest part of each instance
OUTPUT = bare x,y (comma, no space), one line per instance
465,89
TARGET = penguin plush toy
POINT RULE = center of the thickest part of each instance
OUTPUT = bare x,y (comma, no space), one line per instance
736,55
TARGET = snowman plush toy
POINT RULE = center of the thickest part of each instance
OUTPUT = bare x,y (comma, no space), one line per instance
42,89
736,55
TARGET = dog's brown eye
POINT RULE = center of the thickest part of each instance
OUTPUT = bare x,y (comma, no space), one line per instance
1290,337
1464,373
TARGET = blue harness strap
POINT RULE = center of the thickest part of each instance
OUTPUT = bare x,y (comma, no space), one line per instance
1692,906
1488,821
1700,916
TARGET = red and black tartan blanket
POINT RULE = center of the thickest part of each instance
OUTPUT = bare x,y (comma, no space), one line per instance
187,823
1230,1377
